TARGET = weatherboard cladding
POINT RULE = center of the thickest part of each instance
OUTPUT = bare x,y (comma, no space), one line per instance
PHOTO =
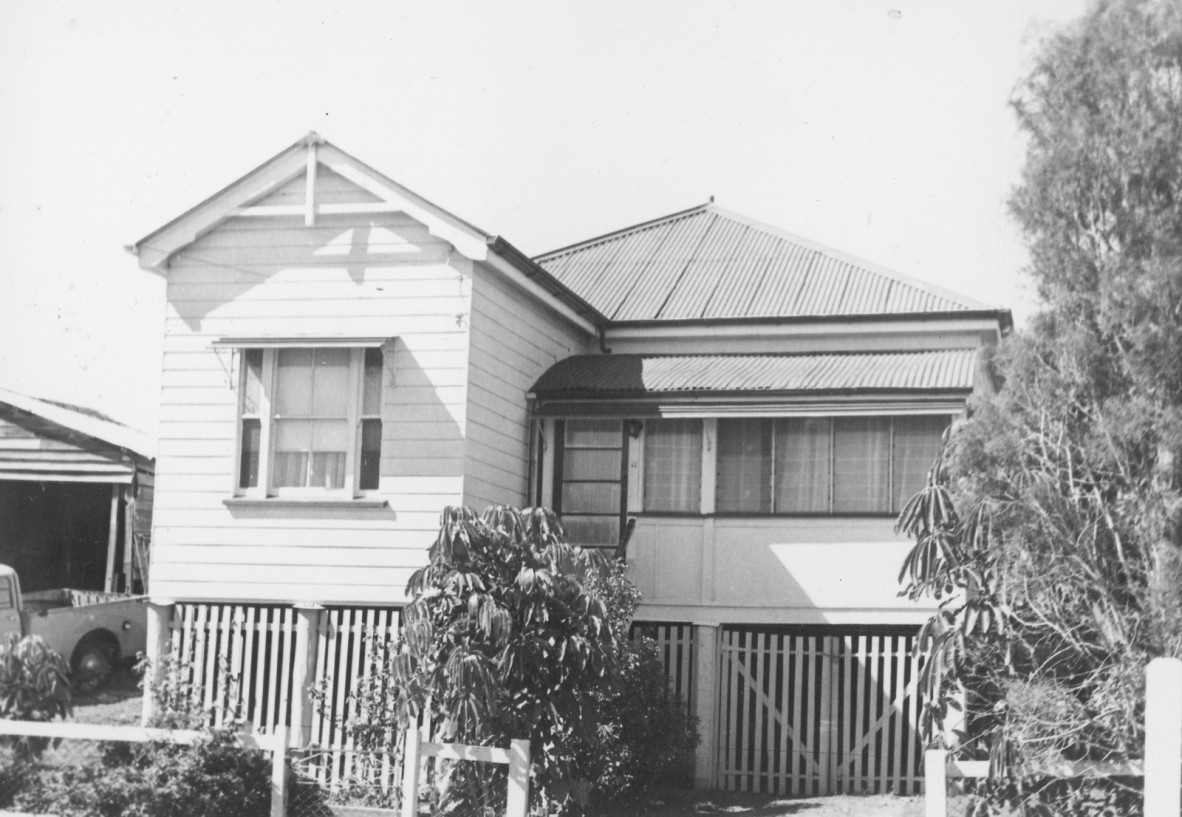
710,264
637,375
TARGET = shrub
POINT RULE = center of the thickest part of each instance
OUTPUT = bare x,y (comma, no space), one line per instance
646,738
33,682
215,777
33,687
500,641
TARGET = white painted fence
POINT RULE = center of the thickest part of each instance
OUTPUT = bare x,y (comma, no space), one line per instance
516,757
1162,767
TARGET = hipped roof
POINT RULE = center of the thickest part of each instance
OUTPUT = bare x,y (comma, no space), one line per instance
707,263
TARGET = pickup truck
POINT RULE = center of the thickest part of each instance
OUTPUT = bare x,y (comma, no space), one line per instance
91,629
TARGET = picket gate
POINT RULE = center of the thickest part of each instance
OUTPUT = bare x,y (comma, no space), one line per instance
812,712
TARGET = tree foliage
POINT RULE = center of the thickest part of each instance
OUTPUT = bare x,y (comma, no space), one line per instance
1051,528
501,640
644,742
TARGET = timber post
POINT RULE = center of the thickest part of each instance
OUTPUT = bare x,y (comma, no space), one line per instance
159,633
304,673
1163,737
706,704
410,772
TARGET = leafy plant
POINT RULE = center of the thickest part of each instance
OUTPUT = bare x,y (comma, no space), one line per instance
501,640
215,777
33,687
645,740
1051,528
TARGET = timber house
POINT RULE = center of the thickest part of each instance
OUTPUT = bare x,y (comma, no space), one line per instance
742,410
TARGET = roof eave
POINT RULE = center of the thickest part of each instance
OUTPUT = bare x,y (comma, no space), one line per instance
1003,317
731,394
526,266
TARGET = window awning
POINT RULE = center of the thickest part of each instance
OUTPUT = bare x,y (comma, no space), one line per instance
297,342
936,378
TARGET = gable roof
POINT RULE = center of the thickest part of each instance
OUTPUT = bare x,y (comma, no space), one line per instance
380,194
83,422
637,376
708,263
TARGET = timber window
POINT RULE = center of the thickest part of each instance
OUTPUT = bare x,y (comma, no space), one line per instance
310,421
591,481
823,465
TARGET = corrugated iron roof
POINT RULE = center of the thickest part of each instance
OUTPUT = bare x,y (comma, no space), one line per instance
708,263
639,375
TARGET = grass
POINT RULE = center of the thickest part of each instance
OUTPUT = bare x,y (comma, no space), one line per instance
118,703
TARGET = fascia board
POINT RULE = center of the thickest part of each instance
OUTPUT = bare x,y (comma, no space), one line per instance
790,327
497,263
154,249
463,236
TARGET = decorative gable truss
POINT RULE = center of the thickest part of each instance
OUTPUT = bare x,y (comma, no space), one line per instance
313,179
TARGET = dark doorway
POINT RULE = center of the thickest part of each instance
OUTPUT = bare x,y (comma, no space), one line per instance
55,533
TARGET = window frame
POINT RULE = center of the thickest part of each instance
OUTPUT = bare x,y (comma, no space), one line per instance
265,489
560,456
889,468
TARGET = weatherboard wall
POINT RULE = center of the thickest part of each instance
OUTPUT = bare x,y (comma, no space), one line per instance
379,275
514,339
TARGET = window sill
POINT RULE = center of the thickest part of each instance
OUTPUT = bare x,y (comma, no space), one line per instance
360,503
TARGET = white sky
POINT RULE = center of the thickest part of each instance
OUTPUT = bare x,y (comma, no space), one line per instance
879,128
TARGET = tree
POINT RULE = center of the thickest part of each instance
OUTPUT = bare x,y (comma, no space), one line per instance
1051,528
501,640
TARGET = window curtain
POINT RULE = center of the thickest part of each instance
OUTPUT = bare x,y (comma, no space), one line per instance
311,418
802,465
673,466
861,463
744,472
916,446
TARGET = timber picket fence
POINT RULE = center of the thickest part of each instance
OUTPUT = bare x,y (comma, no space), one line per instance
1161,768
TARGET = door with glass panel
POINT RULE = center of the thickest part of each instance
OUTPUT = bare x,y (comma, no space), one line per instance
591,480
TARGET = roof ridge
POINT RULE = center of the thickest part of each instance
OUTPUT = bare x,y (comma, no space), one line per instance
635,228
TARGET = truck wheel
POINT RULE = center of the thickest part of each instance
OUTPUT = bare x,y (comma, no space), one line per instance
92,664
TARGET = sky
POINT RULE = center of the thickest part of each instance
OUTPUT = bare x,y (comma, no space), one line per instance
881,129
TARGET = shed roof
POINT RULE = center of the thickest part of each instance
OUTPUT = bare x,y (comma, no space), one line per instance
623,375
44,440
84,421
708,263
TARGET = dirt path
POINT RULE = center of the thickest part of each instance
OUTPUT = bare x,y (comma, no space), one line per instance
746,805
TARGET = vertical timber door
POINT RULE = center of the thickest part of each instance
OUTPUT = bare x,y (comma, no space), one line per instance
818,711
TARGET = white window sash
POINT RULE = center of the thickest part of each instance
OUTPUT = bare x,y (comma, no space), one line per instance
265,487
